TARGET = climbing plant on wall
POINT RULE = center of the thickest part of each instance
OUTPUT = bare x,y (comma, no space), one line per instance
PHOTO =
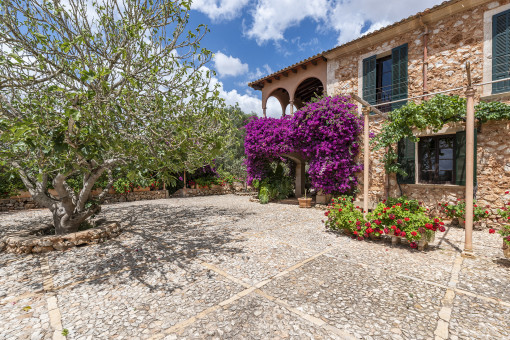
432,114
324,132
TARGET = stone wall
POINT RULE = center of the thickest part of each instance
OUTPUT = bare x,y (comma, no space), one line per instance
27,202
452,42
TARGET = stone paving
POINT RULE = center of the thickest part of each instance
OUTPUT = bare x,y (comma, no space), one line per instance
221,267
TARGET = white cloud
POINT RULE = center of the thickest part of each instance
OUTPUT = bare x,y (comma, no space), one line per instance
228,65
347,18
271,18
218,10
260,72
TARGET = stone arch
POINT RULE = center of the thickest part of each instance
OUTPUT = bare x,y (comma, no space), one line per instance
306,89
283,97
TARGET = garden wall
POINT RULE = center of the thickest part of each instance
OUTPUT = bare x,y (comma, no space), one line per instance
23,203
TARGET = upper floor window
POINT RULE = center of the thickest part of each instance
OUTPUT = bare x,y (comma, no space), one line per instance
385,79
501,51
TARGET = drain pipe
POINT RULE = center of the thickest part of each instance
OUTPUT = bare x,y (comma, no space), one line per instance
425,55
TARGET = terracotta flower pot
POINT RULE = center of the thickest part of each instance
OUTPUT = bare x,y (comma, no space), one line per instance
462,222
305,202
506,250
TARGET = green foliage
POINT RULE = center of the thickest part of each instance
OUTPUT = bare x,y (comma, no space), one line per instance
207,181
230,162
78,103
458,210
277,186
65,332
396,216
431,114
343,215
10,183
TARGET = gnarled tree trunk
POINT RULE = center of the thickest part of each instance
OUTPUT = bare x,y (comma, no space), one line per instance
68,209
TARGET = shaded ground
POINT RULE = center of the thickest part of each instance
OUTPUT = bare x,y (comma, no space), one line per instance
223,267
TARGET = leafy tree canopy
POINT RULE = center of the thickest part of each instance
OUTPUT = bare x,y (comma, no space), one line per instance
86,87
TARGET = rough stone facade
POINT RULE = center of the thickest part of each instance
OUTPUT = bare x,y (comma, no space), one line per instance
452,41
27,202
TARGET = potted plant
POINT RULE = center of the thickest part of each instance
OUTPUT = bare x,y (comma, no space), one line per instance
305,202
505,230
459,211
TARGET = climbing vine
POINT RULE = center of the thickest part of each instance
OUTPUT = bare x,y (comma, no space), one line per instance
432,114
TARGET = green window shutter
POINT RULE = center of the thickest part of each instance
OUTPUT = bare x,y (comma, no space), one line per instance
369,80
406,149
399,75
460,158
501,51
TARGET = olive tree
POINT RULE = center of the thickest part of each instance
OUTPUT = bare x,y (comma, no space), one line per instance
86,87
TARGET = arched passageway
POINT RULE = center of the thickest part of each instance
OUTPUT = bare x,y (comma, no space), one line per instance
306,90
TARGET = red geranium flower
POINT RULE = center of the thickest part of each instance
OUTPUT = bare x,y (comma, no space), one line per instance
442,229
403,234
413,245
339,210
413,233
492,231
406,219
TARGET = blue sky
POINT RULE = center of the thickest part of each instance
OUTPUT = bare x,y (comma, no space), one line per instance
253,38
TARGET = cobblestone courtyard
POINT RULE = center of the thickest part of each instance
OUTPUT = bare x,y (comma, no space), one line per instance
221,267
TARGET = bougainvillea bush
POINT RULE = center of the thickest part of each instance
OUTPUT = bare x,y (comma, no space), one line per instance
265,142
396,216
325,133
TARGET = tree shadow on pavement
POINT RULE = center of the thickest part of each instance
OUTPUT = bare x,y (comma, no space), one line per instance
160,246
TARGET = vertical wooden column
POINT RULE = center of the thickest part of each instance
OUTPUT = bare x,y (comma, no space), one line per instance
264,112
366,159
291,103
470,145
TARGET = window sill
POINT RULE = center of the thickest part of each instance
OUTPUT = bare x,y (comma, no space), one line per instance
496,97
438,186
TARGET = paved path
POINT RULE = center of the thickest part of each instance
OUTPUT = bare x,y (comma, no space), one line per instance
221,267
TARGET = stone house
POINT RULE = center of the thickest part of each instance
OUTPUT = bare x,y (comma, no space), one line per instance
422,54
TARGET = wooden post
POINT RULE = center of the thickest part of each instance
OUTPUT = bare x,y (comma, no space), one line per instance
164,189
470,145
366,159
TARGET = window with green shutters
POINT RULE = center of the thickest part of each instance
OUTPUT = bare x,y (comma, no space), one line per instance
406,159
399,76
385,78
501,51
369,79
460,158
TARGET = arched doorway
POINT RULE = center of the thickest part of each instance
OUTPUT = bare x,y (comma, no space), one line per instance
306,90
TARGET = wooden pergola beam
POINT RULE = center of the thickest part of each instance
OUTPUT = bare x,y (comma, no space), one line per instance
367,104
